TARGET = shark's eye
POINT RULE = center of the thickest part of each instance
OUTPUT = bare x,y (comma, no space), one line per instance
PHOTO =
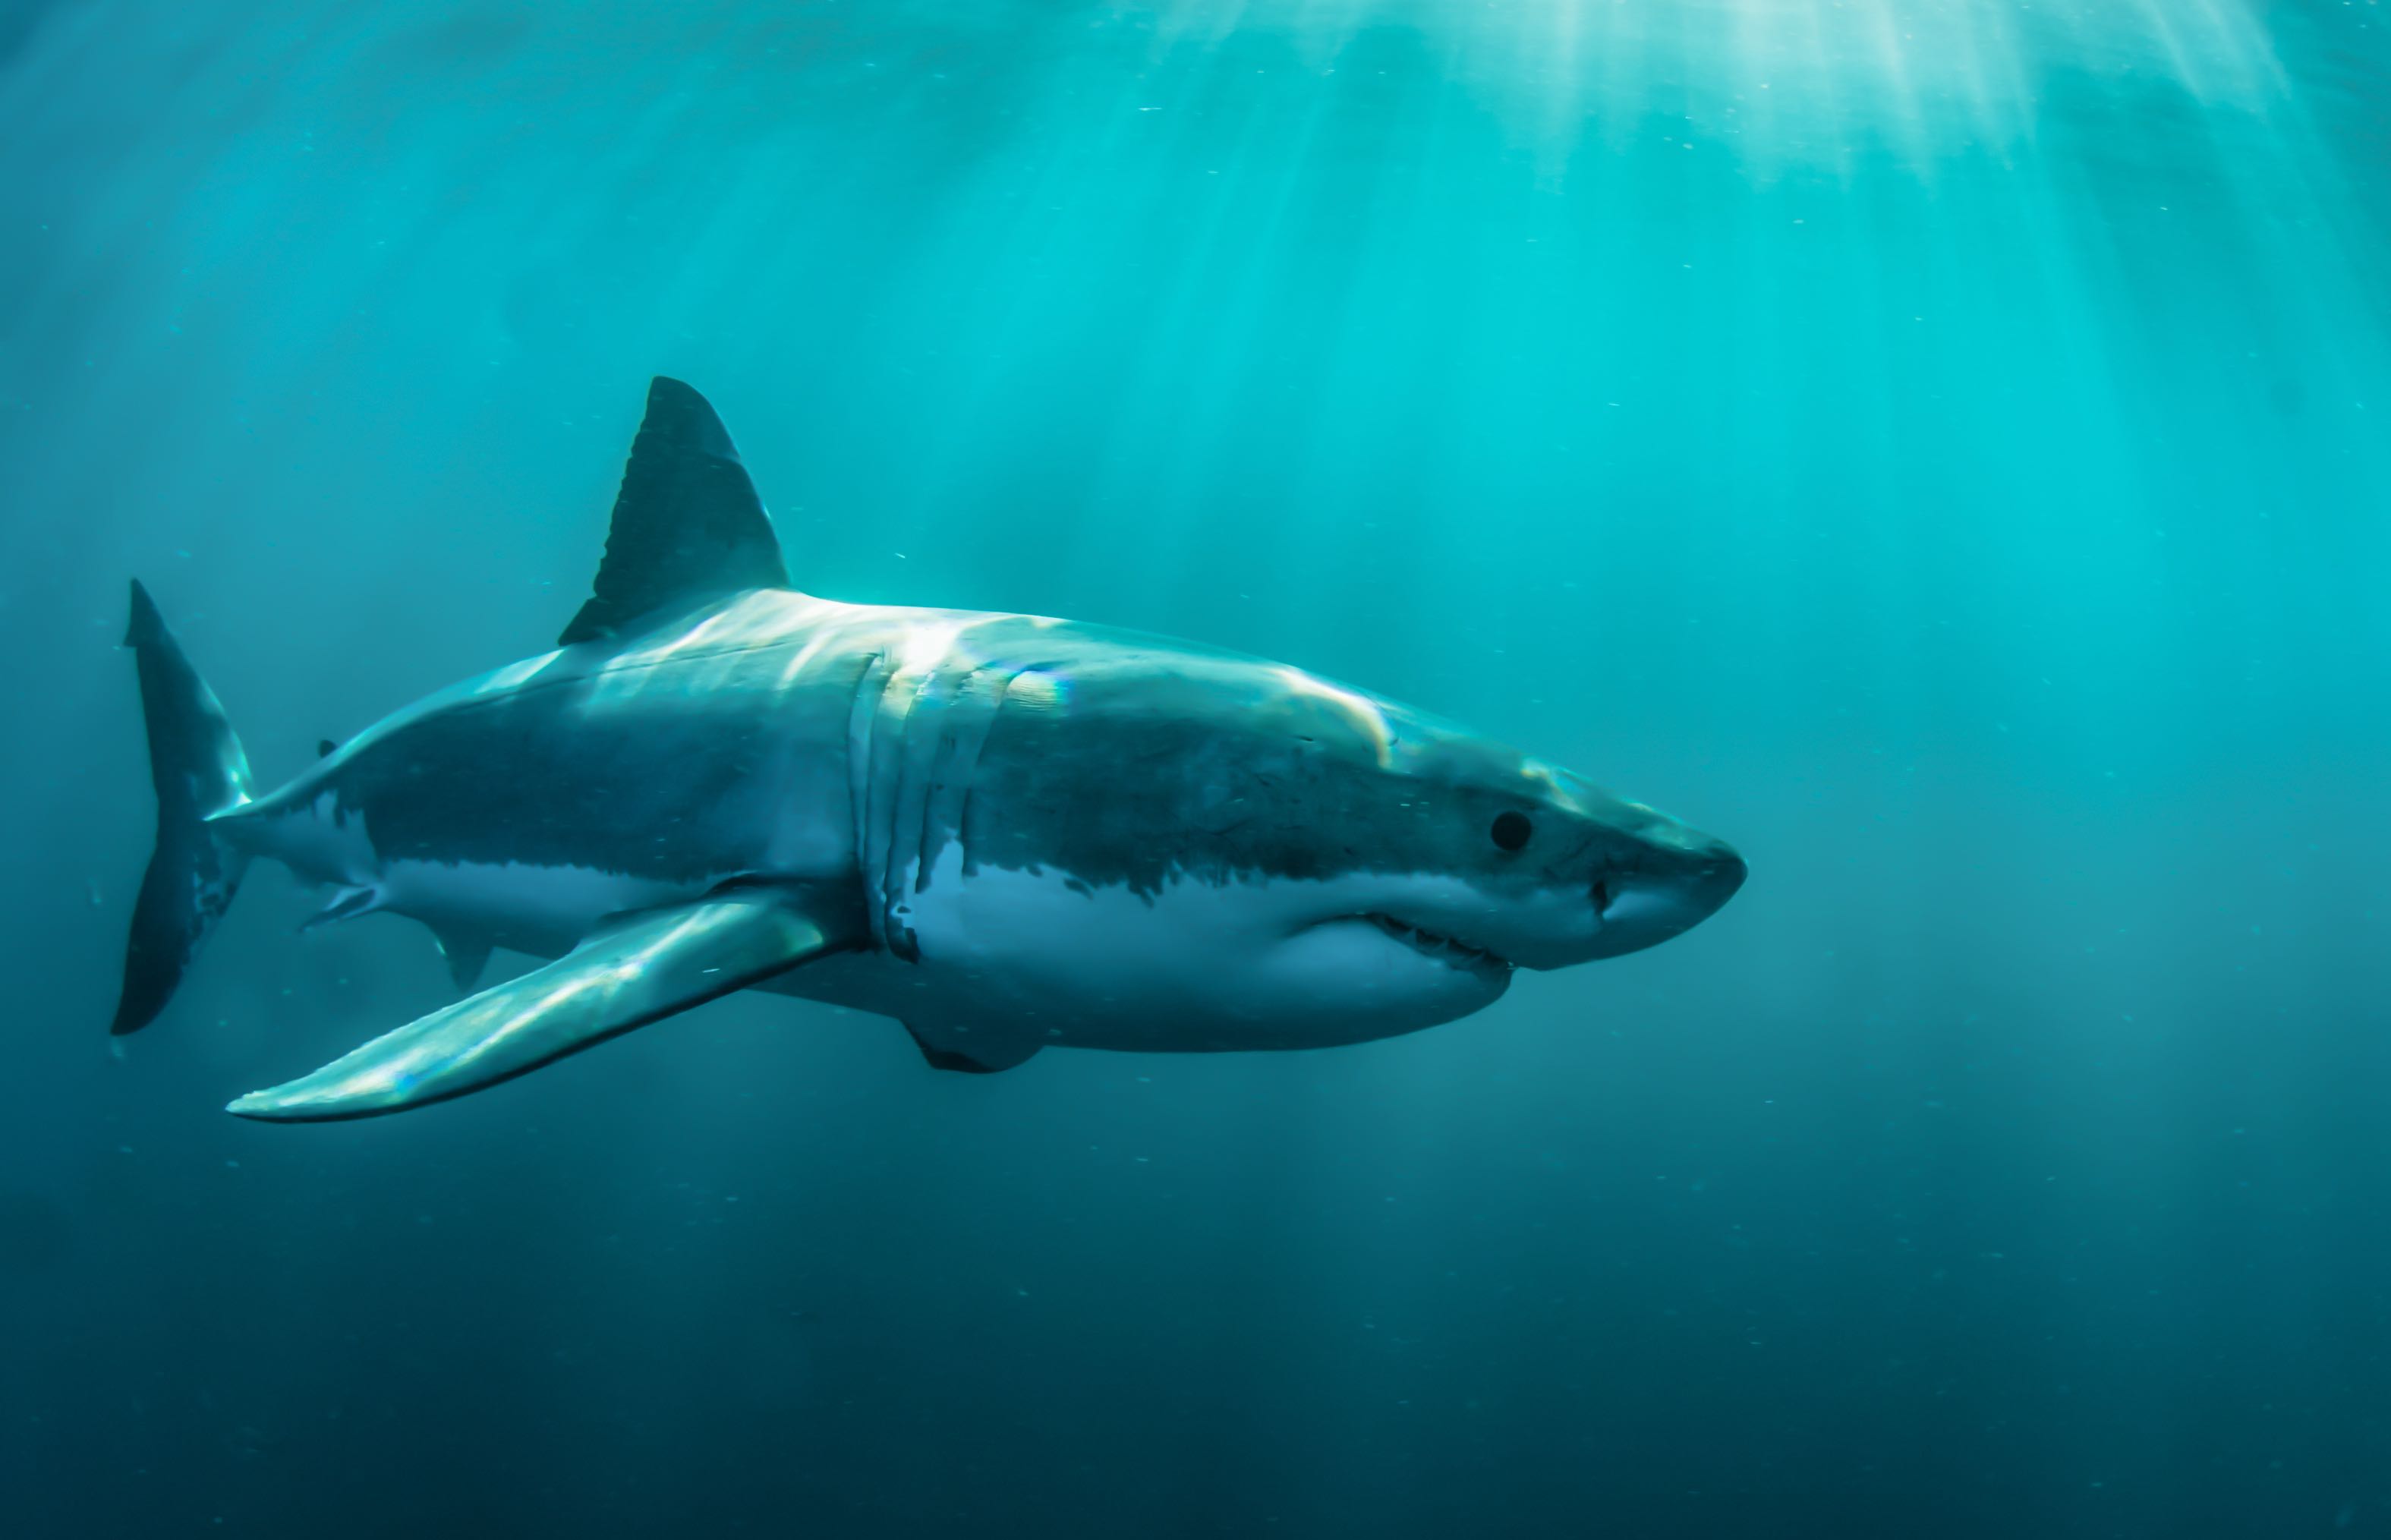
1512,831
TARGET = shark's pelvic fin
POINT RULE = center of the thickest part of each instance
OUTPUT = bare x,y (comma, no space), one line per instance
642,968
688,526
345,903
468,953
970,1053
200,770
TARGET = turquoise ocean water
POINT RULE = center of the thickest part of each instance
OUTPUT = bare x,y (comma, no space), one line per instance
1940,447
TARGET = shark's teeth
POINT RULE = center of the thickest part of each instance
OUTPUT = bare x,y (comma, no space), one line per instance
1443,948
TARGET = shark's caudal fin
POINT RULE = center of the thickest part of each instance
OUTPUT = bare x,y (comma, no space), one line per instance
200,770
688,526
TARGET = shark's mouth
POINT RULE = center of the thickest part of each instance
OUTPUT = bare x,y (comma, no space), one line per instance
1443,949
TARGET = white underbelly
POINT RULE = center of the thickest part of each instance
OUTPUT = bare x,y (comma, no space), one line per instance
532,908
1197,967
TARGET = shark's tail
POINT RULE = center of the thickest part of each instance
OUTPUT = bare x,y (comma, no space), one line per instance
200,771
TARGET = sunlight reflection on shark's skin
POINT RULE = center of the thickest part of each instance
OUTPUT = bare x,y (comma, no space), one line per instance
1008,831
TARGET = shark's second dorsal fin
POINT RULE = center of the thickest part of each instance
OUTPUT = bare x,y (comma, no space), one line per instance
688,525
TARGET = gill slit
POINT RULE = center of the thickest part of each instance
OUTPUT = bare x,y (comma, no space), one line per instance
913,749
978,698
862,722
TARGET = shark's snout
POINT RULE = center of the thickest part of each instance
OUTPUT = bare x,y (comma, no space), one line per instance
1684,882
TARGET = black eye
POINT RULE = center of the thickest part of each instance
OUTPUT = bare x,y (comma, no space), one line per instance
1512,831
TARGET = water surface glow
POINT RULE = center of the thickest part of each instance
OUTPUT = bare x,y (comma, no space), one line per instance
1937,446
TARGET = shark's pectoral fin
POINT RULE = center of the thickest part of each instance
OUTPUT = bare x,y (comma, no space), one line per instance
468,953
970,1053
639,969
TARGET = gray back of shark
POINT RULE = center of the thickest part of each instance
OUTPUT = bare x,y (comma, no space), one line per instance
1006,832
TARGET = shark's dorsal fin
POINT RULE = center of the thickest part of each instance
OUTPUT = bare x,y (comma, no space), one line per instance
688,525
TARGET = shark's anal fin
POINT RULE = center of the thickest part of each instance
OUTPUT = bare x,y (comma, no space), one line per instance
688,526
967,1053
639,969
468,953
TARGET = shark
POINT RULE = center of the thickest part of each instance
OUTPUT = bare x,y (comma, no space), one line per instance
1006,832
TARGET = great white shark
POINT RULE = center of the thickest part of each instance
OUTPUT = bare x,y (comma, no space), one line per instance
1007,832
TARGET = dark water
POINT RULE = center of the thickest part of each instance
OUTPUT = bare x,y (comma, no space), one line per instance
1940,447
